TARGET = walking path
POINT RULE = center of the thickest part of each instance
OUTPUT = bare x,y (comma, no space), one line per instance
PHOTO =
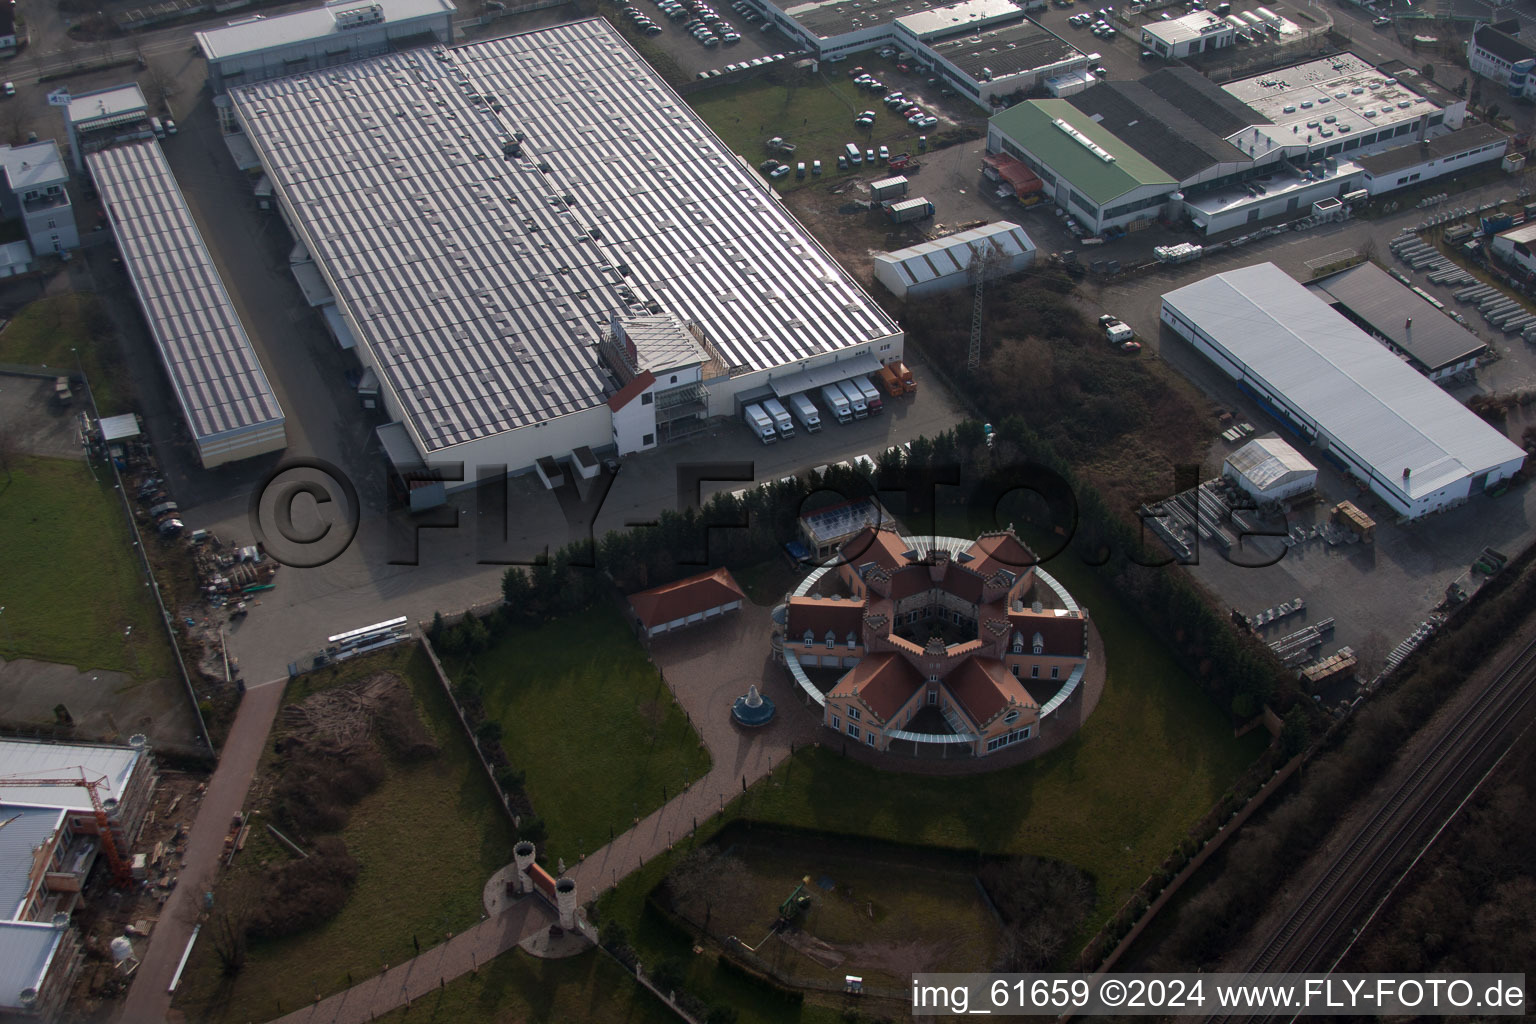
148,999
706,669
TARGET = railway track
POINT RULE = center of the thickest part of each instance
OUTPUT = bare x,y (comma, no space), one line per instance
1412,813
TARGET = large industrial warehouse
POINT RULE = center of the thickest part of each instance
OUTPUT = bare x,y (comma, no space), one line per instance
226,401
489,218
1418,448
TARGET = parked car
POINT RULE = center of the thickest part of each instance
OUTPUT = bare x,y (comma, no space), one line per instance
779,171
885,153
1381,22
815,166
10,88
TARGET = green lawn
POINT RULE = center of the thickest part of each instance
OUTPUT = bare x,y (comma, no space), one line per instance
816,115
586,715
1114,800
70,583
427,839
516,988
45,332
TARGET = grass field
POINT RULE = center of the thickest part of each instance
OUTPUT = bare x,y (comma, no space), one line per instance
427,839
816,114
70,584
516,988
44,332
1114,800
888,912
588,718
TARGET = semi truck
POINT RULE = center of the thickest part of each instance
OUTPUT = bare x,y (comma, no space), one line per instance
904,211
780,415
837,403
871,396
855,399
805,411
760,423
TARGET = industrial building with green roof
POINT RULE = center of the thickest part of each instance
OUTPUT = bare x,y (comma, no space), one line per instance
1087,170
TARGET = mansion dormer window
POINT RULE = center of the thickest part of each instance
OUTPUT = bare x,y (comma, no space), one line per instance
1018,643
1038,644
853,639
809,638
831,639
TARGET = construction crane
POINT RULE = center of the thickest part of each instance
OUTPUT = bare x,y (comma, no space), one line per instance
122,871
984,261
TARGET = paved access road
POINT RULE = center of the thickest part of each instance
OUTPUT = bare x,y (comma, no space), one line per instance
148,998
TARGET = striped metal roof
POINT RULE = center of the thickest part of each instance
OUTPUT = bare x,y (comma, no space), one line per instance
216,375
481,282
943,257
26,950
22,830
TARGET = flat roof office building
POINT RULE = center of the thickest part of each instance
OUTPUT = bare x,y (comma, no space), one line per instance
261,47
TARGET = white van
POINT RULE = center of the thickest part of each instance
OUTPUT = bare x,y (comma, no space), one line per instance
854,154
157,127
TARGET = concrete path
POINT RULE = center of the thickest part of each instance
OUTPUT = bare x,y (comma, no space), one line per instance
706,670
148,999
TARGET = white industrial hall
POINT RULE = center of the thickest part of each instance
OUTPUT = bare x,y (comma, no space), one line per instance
490,216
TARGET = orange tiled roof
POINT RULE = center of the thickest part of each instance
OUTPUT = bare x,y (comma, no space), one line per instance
842,615
685,597
884,682
983,687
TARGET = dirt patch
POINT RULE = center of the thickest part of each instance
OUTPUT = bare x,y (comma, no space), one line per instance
330,758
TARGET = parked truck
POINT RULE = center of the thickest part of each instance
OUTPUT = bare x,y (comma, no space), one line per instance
760,423
896,379
805,411
904,211
837,403
780,415
871,396
855,399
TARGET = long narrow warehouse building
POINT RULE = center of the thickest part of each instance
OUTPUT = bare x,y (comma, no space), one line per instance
225,397
502,223
1418,448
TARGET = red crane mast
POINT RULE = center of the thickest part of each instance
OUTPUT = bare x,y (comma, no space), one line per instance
122,871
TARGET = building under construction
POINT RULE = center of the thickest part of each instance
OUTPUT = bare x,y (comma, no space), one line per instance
63,807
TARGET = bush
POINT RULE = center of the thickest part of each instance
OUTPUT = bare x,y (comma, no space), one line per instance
304,892
668,975
317,788
532,828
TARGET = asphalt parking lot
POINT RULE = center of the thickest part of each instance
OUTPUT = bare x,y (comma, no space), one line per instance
690,55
